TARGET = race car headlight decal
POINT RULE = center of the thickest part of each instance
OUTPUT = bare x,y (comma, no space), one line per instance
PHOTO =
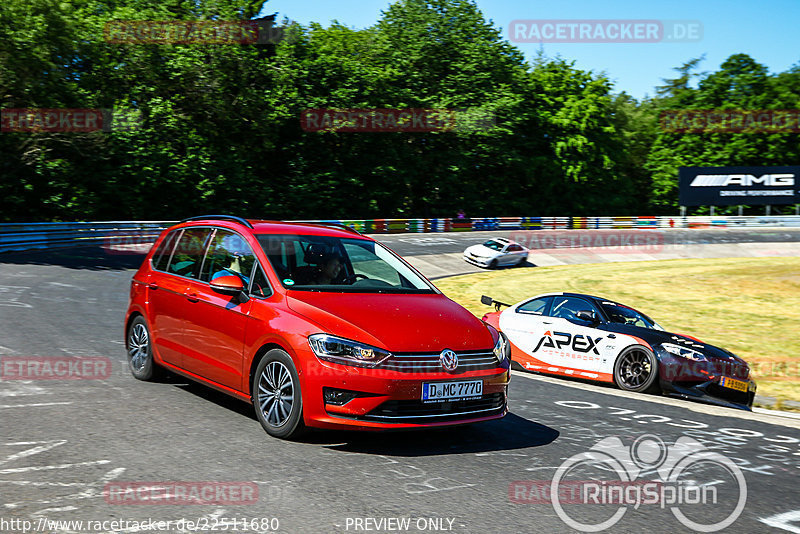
684,352
501,348
339,350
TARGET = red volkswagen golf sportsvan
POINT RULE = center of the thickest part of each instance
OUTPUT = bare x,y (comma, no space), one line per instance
316,326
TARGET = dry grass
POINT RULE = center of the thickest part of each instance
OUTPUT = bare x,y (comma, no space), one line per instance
751,306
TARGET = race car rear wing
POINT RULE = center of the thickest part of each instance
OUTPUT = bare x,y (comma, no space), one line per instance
489,301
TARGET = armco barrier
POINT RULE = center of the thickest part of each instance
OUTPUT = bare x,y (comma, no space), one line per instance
27,236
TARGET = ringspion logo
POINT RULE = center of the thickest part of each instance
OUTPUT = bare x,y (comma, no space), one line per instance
704,490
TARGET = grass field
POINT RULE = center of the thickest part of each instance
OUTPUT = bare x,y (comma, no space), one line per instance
750,306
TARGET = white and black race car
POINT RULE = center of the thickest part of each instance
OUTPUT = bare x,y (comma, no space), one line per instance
496,252
582,336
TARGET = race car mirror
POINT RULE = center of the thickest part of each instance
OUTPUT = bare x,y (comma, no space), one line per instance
588,316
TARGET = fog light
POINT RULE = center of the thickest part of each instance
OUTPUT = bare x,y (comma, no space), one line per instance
339,397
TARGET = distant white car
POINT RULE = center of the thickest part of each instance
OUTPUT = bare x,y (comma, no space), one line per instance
496,252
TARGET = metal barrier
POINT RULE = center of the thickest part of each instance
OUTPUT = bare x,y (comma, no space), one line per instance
31,236
122,234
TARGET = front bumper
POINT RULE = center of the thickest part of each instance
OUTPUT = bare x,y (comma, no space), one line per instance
703,381
477,261
711,392
391,399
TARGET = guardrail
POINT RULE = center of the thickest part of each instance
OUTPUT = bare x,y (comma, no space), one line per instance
31,236
122,234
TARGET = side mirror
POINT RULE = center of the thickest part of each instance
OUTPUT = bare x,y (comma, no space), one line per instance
231,285
587,315
227,284
486,300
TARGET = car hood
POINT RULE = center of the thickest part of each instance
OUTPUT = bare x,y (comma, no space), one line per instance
395,322
480,250
655,337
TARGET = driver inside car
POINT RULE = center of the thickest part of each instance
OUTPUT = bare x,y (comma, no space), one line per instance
329,270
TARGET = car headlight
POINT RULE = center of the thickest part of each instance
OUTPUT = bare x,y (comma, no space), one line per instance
502,349
684,352
339,350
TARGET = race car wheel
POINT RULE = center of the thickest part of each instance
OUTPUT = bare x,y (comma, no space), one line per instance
493,264
636,369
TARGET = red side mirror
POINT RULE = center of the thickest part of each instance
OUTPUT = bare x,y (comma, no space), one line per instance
227,284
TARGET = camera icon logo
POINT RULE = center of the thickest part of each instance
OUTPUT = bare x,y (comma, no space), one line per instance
673,485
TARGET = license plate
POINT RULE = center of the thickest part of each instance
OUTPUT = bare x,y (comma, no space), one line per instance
738,385
439,391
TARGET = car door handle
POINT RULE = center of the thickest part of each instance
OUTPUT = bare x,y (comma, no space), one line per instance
152,285
612,336
191,297
546,322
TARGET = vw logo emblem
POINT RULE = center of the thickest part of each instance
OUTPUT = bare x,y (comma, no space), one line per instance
448,359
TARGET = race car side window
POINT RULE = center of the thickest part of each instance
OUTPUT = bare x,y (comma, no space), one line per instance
568,307
536,306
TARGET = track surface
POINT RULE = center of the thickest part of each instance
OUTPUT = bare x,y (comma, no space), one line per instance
81,434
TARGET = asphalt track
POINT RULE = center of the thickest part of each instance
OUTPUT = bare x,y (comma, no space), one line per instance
63,440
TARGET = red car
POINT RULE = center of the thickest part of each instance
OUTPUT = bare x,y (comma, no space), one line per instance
316,326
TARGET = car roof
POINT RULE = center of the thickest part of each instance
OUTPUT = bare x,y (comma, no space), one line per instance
260,226
284,227
501,240
570,294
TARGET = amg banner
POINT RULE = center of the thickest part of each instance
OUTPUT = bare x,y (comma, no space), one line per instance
726,186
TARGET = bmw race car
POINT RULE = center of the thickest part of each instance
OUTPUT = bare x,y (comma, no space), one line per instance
496,252
582,336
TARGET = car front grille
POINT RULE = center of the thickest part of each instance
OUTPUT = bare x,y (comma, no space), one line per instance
731,368
416,411
429,363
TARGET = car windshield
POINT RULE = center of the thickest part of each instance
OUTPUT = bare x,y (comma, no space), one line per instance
334,264
618,313
494,245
